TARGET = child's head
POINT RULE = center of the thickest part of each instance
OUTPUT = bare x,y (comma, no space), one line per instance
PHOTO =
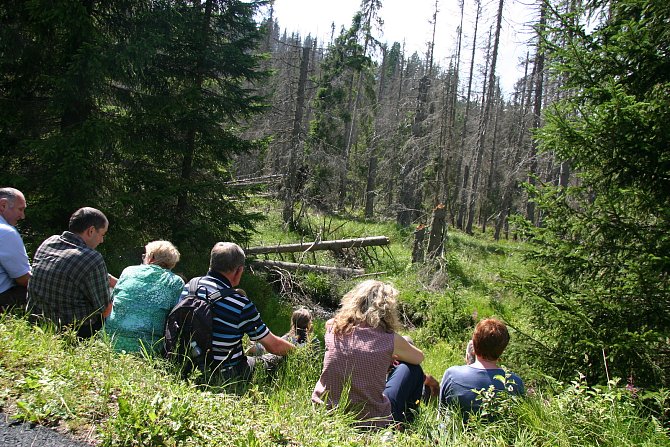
301,323
490,339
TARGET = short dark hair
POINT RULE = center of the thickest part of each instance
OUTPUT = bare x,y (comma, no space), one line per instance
226,257
87,217
490,339
10,194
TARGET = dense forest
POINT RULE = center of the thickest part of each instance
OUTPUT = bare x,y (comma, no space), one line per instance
167,114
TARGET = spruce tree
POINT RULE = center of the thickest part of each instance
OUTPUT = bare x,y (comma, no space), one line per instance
602,296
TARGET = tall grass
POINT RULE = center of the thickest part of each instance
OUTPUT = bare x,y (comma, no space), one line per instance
117,399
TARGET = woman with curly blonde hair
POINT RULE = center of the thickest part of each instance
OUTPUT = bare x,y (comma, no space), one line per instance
361,345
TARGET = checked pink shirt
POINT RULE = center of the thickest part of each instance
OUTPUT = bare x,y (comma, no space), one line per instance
361,359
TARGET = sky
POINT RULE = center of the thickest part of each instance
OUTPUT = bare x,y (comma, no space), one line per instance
408,21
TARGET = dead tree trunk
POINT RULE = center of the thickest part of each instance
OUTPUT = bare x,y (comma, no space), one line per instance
291,181
510,184
293,266
462,194
417,248
537,111
481,134
373,241
438,230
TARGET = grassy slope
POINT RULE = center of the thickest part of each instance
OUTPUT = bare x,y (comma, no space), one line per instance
99,395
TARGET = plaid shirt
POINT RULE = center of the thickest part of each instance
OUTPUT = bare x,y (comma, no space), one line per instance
69,282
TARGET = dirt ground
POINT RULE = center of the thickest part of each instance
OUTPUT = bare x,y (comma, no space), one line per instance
19,434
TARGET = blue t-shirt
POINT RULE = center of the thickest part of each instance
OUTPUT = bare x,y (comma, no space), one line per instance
459,382
13,257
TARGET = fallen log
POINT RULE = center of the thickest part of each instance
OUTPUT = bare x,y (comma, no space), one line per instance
293,266
322,245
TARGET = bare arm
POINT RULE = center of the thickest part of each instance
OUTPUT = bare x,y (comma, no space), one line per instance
108,310
276,345
406,352
23,280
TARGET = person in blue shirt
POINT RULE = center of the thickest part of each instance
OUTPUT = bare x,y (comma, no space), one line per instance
14,264
460,382
234,315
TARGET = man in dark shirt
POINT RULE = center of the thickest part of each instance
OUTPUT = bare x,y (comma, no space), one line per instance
234,315
70,284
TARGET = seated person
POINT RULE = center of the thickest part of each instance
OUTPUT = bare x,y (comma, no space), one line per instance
299,334
233,316
470,354
488,341
70,283
361,342
143,297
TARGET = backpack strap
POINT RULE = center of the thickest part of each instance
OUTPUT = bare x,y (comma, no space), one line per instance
193,285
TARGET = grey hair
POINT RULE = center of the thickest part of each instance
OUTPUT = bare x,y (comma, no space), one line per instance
10,194
226,257
164,253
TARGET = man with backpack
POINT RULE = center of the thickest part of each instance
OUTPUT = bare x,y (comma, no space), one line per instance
233,315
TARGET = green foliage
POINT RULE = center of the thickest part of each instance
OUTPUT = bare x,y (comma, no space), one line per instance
345,90
133,108
275,314
444,315
601,295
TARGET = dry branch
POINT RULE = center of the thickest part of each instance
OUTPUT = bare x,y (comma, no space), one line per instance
322,245
292,266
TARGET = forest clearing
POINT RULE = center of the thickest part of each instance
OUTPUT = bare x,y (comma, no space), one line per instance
336,161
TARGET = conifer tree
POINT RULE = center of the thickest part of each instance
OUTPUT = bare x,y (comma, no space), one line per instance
604,288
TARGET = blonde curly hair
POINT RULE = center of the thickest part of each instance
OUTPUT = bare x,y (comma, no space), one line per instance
372,303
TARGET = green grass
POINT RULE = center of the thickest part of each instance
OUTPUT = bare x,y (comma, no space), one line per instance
118,399
98,395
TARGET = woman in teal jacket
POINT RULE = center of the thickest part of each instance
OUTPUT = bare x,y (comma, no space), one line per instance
143,297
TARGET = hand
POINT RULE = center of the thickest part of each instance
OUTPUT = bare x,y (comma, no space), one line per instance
112,281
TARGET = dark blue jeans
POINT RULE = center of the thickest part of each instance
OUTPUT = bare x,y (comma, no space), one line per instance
404,388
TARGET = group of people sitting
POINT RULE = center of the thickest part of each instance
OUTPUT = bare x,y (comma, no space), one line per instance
367,364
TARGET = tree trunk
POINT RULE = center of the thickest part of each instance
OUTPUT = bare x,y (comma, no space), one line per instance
537,112
372,241
293,266
481,134
191,134
462,194
417,248
438,230
290,181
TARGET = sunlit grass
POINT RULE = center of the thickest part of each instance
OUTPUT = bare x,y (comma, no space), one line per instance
119,400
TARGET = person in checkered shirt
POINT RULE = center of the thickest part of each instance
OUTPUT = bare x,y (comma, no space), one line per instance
70,285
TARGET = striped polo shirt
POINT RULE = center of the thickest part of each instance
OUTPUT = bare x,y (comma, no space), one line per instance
233,316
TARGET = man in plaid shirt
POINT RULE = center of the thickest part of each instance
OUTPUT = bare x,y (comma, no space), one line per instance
70,284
